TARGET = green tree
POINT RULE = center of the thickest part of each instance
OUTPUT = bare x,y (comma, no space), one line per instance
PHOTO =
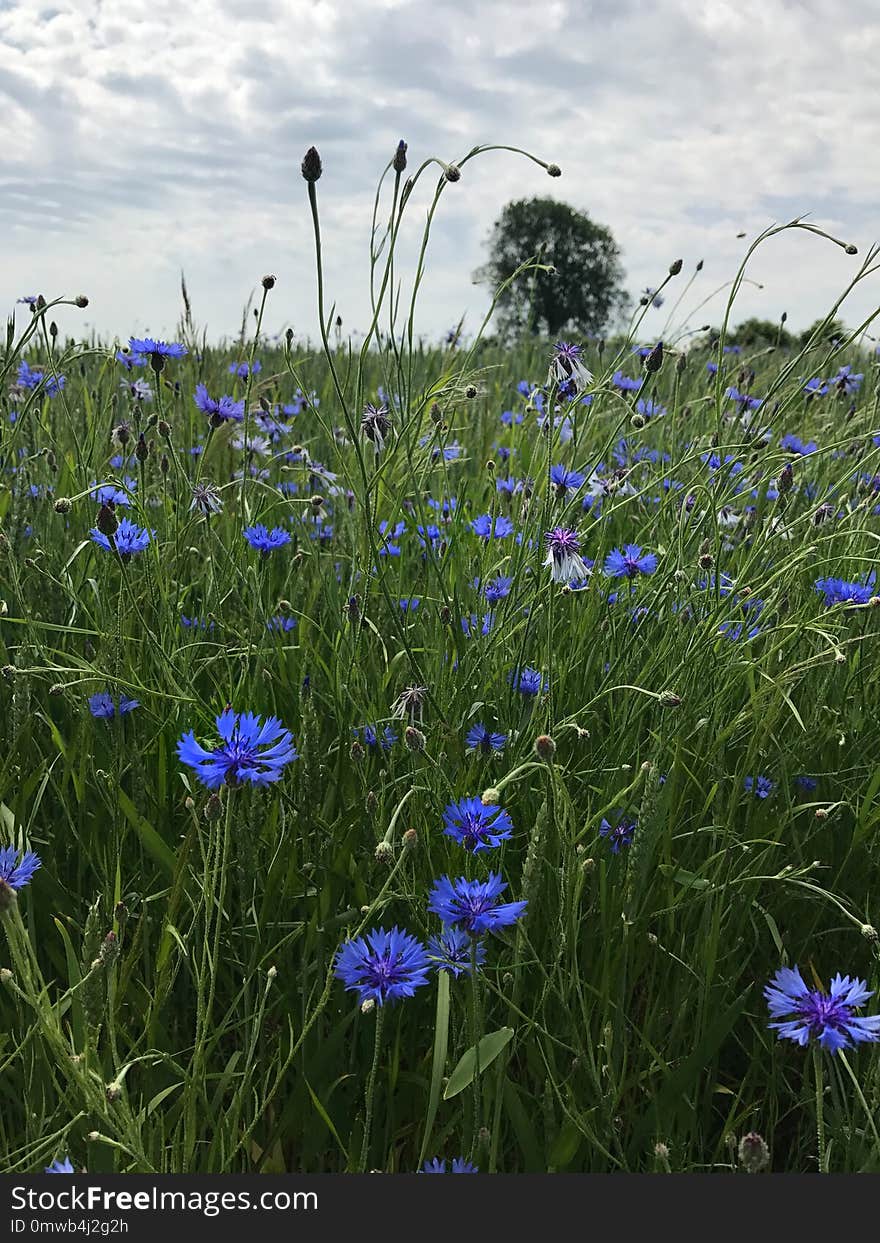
584,291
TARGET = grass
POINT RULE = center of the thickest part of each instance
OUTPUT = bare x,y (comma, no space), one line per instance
168,1000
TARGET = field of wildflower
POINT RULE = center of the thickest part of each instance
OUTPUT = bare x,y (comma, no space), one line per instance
451,758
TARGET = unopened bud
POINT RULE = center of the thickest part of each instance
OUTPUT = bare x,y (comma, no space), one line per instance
675,267
81,301
410,839
545,748
452,172
357,751
213,808
311,166
491,796
669,699
399,161
553,170
7,897
414,738
654,361
870,933
268,282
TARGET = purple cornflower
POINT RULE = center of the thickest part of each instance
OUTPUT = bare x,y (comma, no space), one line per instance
566,365
563,556
630,563
102,707
451,951
206,499
127,539
476,826
484,527
528,681
221,408
250,750
473,904
479,738
761,787
266,541
15,873
383,966
460,1165
618,834
565,480
826,1017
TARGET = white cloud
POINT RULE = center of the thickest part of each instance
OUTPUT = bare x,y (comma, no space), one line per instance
152,137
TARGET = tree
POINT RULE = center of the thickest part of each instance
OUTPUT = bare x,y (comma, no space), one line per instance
583,293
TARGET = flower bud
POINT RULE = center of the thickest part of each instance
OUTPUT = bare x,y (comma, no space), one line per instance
63,505
384,853
490,796
399,161
654,361
81,301
452,172
675,267
669,699
414,738
870,933
268,282
553,170
410,839
311,166
545,748
213,808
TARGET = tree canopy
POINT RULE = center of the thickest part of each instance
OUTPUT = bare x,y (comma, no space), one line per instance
584,292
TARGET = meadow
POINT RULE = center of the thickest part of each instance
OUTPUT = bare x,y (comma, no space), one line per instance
423,753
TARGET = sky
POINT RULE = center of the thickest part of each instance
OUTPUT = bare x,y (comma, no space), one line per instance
145,138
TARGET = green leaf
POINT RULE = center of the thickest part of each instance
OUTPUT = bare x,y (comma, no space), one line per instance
150,839
489,1048
438,1065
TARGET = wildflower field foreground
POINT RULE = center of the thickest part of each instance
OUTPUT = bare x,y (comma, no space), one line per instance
439,758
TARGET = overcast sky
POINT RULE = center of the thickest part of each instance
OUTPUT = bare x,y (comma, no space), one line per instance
143,136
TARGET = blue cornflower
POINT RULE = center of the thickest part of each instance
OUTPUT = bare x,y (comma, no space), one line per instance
846,380
223,407
473,904
629,563
565,480
472,626
29,378
479,738
806,783
815,387
127,539
109,494
243,370
795,445
626,383
650,409
131,360
250,750
451,951
410,604
383,966
475,825
839,591
619,834
761,787
459,1166
15,872
651,296
826,1017
712,368
372,738
266,541
484,527
528,681
195,623
60,1167
281,624
497,588
389,546
156,349
102,707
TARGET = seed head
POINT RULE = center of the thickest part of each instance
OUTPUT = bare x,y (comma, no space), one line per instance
753,1153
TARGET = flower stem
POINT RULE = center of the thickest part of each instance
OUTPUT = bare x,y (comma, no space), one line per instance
370,1092
475,1039
820,1109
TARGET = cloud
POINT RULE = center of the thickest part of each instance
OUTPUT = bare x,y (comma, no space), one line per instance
156,137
